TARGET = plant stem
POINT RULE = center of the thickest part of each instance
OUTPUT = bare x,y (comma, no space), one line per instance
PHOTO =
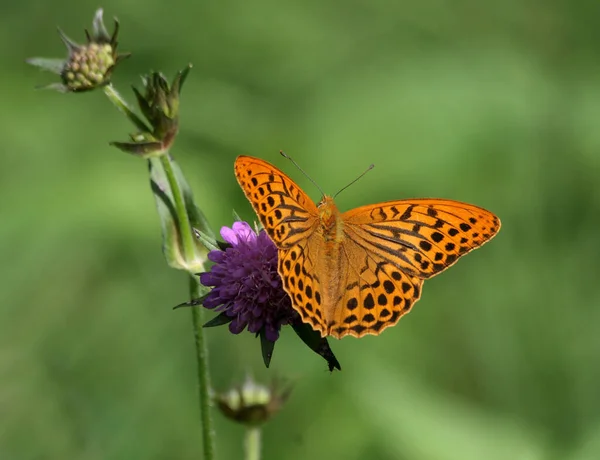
114,97
252,443
188,248
208,433
185,230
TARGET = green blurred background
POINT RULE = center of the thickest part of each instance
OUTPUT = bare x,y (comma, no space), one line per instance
494,103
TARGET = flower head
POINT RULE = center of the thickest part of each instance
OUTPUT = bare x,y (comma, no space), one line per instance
247,287
88,66
248,292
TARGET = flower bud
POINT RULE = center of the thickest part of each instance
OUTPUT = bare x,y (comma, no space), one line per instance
253,404
88,66
160,105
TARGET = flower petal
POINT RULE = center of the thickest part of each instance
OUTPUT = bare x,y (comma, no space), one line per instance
244,231
229,235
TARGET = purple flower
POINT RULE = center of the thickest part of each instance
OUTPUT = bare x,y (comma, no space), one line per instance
248,292
247,287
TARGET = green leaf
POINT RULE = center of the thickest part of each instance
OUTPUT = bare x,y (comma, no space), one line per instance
208,242
236,217
219,320
317,344
172,248
266,347
192,303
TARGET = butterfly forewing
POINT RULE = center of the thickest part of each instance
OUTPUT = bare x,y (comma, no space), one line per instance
421,236
289,217
285,211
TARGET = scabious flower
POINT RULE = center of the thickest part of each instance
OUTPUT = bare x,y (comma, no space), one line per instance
247,287
248,292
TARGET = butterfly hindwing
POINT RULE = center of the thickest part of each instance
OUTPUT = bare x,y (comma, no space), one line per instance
297,269
286,212
422,237
376,293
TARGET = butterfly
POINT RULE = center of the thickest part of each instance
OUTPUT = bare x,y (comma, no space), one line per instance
358,272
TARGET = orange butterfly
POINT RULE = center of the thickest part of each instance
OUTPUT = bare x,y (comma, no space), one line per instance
358,272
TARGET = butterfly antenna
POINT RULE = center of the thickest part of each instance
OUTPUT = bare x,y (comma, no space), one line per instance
344,188
285,155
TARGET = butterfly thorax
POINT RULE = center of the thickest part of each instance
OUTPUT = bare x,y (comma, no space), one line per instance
329,266
330,221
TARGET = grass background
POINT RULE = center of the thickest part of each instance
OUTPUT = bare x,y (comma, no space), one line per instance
494,103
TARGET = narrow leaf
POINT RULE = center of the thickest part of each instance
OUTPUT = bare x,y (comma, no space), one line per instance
236,217
166,212
219,320
208,242
266,347
192,303
317,344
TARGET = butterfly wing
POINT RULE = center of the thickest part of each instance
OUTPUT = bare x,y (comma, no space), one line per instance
290,218
376,293
299,267
422,237
390,248
285,211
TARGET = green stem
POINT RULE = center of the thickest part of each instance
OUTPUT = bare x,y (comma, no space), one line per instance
188,246
114,97
252,443
185,231
208,433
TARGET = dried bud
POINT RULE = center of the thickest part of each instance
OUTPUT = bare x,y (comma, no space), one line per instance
253,404
88,66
